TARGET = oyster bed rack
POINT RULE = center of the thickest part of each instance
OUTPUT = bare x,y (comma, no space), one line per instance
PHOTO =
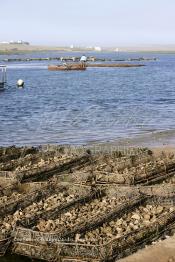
46,172
84,197
147,177
38,174
32,243
26,199
13,153
40,191
116,248
156,176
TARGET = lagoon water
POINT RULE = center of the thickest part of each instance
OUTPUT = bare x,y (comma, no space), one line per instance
99,104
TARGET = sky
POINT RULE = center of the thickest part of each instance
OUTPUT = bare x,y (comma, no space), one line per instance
88,22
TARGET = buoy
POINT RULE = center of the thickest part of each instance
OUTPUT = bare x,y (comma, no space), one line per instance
20,83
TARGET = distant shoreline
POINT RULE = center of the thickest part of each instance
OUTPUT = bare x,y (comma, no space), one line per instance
20,48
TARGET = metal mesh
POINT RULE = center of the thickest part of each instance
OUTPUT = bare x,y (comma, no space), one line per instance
115,248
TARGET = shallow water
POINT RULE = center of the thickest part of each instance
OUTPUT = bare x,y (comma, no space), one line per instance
99,104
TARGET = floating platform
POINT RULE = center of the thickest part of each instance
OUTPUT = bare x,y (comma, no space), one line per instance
115,65
77,59
79,66
68,67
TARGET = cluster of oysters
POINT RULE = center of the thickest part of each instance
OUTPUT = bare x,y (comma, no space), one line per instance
8,223
13,197
79,215
142,217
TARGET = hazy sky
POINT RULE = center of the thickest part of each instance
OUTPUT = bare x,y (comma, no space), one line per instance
88,22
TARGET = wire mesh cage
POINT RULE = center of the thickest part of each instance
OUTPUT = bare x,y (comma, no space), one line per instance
102,252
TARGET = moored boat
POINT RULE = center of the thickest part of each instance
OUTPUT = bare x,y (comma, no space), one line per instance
80,66
66,67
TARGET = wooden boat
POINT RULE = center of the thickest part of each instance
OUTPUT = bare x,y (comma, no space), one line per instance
80,67
66,67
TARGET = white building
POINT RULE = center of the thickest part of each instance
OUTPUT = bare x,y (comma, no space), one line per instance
97,48
4,42
19,42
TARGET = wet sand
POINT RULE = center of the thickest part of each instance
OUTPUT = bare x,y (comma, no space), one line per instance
156,140
160,252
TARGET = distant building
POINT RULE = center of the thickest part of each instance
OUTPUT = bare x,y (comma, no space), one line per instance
4,42
72,46
19,42
97,48
117,49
